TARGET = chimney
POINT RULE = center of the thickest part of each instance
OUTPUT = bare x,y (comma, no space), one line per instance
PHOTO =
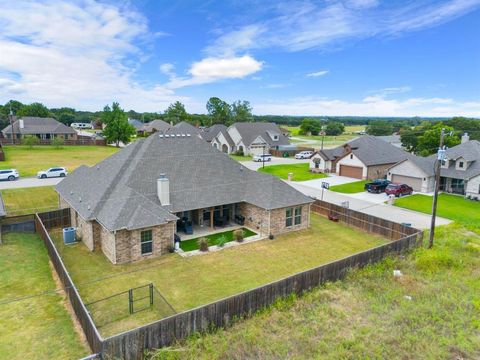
163,190
21,124
465,138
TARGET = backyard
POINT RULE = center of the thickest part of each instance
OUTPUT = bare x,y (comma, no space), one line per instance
28,161
193,281
214,239
300,171
350,188
29,200
454,207
38,327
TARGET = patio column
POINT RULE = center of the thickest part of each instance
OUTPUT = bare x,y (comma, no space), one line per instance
211,217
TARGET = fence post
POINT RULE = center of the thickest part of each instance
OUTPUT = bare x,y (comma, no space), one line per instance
130,301
150,287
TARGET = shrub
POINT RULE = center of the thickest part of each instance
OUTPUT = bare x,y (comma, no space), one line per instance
271,237
30,141
238,235
203,244
222,240
239,152
57,142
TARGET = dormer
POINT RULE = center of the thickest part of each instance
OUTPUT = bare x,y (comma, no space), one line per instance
273,135
461,164
445,164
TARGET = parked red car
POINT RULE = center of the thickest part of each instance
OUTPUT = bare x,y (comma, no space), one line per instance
398,190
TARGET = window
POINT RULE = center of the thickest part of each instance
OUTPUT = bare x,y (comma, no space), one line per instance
460,164
146,242
288,217
298,215
351,156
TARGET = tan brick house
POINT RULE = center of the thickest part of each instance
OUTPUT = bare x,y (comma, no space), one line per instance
129,206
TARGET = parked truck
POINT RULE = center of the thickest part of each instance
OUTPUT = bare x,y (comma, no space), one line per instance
377,186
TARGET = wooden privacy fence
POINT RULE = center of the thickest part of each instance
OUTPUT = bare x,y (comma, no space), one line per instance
389,229
62,218
79,141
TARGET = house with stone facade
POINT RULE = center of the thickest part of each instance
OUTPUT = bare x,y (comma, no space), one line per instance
366,157
459,172
129,205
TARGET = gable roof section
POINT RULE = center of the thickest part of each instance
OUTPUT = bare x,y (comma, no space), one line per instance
250,131
425,164
121,191
470,151
186,128
214,131
137,124
38,125
156,125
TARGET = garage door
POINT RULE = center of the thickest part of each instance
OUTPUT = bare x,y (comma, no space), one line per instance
351,171
415,183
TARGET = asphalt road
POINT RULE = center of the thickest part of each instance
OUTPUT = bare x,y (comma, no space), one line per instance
28,182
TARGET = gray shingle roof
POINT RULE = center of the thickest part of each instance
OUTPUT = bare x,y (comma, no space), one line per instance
186,128
156,125
121,191
137,124
213,131
38,125
373,151
470,151
250,131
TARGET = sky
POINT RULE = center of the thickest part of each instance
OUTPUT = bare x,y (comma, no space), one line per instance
351,57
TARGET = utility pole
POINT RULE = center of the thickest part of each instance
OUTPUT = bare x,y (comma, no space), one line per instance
323,135
440,158
10,115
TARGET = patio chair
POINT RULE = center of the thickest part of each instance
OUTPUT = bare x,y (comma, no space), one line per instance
240,220
220,221
188,228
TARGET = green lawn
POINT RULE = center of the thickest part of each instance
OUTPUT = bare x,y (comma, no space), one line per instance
189,245
29,161
240,157
39,327
350,188
300,171
367,315
29,200
457,208
187,282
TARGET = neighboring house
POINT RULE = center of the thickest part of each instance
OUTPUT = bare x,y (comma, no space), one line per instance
137,124
218,136
155,126
43,128
128,205
394,140
365,157
187,128
257,137
459,173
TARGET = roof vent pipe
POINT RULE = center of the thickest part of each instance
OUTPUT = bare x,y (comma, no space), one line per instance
163,190
465,138
21,124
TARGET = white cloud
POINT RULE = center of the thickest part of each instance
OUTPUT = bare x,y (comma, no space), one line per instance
82,53
274,86
370,106
391,90
214,69
317,73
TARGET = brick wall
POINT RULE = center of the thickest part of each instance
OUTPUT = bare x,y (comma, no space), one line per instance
107,241
256,218
128,248
378,171
278,220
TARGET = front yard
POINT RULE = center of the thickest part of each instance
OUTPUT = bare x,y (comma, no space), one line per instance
30,200
350,188
300,171
454,207
29,161
38,327
187,282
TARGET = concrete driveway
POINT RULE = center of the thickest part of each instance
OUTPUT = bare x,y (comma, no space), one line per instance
28,182
332,179
252,165
373,205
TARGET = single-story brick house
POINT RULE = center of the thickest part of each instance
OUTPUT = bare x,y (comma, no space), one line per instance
43,128
128,205
459,173
366,157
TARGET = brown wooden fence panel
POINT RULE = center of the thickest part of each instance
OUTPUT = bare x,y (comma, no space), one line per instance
131,344
59,217
79,141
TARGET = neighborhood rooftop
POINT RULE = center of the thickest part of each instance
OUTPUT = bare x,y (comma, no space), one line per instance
36,125
121,191
250,132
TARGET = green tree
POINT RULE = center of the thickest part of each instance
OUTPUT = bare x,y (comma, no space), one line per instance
58,142
379,128
219,111
117,127
175,113
34,109
409,139
429,142
30,141
14,105
241,111
334,128
310,126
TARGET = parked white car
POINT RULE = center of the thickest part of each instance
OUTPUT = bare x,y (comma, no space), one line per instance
9,174
304,155
262,158
81,126
52,172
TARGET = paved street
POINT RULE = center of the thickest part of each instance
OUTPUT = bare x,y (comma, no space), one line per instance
384,211
28,182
